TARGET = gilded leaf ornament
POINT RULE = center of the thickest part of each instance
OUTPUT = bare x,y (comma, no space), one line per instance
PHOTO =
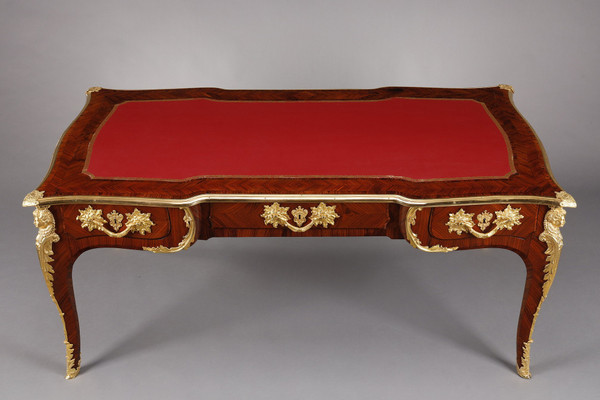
523,370
91,218
44,221
553,221
508,218
462,221
137,221
275,215
322,214
72,367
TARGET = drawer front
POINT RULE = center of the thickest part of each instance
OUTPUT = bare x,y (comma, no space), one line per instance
140,222
464,222
299,215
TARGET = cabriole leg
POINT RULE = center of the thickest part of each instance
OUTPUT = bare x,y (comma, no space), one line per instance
57,269
541,263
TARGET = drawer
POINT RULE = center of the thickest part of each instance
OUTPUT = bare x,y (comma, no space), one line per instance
520,220
155,223
343,215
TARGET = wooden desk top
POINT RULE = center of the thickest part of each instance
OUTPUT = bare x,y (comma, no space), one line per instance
420,143
136,169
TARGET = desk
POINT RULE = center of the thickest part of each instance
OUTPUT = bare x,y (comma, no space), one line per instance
157,170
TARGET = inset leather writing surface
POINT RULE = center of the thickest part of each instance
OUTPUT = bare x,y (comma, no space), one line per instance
419,139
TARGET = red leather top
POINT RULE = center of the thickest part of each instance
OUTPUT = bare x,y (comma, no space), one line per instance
420,139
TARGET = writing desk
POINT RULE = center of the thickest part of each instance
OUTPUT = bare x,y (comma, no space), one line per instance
156,170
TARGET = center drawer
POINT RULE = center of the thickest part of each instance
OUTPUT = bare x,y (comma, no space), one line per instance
252,215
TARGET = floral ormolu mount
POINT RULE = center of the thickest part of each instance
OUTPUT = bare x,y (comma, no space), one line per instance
136,222
320,215
463,222
223,163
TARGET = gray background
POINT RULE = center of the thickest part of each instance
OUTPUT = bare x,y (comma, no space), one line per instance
338,318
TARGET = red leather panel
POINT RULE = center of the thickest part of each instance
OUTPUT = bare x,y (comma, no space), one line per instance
404,137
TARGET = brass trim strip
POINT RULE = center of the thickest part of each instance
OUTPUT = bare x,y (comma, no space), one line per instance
562,199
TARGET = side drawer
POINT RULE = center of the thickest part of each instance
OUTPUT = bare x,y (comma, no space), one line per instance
517,220
88,220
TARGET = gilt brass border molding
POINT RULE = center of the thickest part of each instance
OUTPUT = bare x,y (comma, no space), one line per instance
562,199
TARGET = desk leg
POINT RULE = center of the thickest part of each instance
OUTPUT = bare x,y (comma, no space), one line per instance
541,262
56,261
